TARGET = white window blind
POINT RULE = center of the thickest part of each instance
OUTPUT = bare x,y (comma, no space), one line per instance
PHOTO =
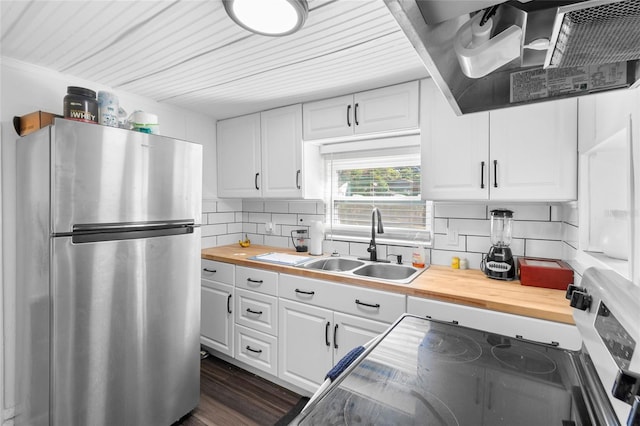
389,179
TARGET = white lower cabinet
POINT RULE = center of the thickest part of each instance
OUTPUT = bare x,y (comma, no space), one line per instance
257,349
566,335
321,321
312,340
216,310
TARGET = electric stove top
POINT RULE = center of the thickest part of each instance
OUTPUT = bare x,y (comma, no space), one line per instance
427,372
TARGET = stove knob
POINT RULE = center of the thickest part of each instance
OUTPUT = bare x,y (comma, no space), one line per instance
626,387
571,288
580,300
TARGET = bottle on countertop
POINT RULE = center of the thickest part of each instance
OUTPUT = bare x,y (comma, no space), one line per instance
418,255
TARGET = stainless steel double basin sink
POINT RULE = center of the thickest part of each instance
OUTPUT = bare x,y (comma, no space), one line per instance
401,274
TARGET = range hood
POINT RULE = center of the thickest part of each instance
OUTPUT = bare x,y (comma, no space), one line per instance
539,50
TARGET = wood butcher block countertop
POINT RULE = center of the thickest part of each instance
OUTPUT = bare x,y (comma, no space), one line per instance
466,287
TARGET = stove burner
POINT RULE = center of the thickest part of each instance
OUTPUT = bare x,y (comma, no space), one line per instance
451,347
523,359
424,408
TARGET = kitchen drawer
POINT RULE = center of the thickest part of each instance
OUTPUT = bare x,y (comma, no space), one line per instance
257,311
257,280
534,329
364,302
257,349
217,271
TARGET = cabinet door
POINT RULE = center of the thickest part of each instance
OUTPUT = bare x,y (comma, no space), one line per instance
350,331
216,318
455,150
387,109
534,152
304,344
238,151
328,118
281,131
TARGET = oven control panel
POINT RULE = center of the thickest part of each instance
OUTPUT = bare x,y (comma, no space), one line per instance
618,341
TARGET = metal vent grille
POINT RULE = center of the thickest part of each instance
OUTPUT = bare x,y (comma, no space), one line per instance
602,34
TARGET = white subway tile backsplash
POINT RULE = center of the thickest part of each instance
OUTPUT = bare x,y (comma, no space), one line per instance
478,244
209,206
526,211
234,228
305,207
537,230
259,217
461,211
224,240
210,230
207,242
442,242
227,217
252,206
440,225
277,241
203,220
540,230
276,206
470,226
306,219
229,205
285,219
544,248
251,228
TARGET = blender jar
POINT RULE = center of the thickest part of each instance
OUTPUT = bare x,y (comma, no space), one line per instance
501,227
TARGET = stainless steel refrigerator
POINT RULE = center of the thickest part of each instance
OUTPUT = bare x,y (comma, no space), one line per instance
108,276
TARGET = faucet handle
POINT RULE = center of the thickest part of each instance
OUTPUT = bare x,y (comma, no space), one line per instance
398,258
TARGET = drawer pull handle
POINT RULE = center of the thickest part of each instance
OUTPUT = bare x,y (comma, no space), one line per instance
326,334
229,304
335,336
310,293
254,312
213,271
254,281
255,351
370,305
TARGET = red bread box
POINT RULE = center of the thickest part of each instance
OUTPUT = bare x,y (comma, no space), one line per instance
547,273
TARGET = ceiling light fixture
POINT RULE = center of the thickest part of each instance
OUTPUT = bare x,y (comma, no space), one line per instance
268,17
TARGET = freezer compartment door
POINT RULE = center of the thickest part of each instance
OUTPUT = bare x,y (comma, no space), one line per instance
106,175
125,344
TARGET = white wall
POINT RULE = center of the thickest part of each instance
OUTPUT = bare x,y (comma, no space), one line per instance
25,88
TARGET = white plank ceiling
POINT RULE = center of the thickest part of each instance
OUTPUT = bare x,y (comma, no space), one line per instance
190,54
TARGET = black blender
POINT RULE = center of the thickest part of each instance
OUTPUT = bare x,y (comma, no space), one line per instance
498,263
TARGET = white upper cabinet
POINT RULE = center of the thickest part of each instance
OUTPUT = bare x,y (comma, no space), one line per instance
281,131
526,153
238,152
386,109
454,150
534,152
261,156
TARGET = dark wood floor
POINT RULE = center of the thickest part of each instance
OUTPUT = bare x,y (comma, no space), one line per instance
231,396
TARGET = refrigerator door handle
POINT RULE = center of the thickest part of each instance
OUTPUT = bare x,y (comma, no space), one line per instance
91,233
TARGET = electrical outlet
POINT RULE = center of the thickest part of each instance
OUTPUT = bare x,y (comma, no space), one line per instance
268,227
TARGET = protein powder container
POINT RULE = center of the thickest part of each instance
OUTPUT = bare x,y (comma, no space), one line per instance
80,104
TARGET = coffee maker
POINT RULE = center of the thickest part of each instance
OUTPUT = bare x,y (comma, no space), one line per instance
499,263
